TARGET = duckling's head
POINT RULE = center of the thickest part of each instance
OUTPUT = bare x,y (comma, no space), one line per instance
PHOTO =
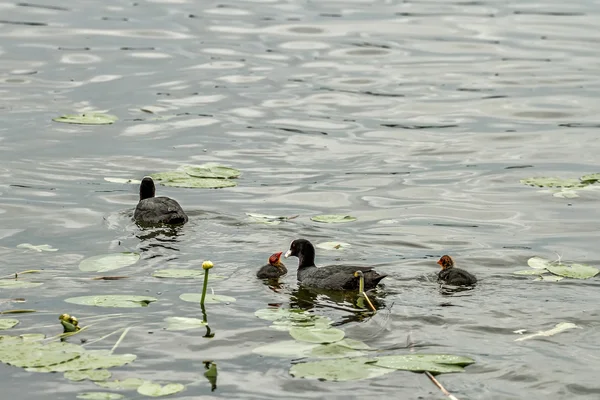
446,262
275,260
147,188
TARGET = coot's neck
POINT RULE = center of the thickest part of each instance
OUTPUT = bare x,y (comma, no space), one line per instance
147,189
306,258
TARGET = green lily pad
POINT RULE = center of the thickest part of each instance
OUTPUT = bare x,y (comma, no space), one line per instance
317,335
333,245
274,313
92,375
181,179
531,272
17,284
86,119
115,300
155,390
284,319
180,273
286,349
354,344
125,384
268,219
549,278
35,355
553,182
6,323
210,170
332,350
338,369
108,262
538,263
100,396
566,194
123,180
90,359
590,178
183,323
576,271
39,247
435,363
210,298
333,219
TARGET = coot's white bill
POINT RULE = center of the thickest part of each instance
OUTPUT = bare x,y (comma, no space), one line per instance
287,253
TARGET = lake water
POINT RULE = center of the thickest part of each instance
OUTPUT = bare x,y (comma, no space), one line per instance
418,118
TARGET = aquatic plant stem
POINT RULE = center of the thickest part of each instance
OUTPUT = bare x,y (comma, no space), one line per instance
439,385
369,301
204,287
120,339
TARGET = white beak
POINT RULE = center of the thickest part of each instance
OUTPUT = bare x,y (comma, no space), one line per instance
288,253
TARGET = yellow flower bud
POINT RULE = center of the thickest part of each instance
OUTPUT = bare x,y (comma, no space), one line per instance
207,265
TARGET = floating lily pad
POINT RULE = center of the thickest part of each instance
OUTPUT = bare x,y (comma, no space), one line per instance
35,355
100,396
210,298
268,219
180,273
116,300
333,219
317,335
87,119
538,263
108,262
181,179
338,369
123,180
17,284
354,344
566,194
549,278
531,272
90,359
576,271
591,178
155,390
285,349
333,245
435,363
553,182
332,350
183,323
125,384
284,319
273,314
6,323
39,247
92,375
210,170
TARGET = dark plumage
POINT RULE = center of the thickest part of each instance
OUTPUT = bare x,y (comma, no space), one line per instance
332,277
274,269
452,275
157,210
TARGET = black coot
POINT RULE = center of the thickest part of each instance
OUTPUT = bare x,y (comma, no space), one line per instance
274,269
452,275
157,210
332,277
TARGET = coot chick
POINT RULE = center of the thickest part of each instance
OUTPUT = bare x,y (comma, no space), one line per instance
157,210
452,275
274,269
332,277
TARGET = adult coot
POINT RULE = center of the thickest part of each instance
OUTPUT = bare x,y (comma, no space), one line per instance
332,277
274,269
452,275
157,210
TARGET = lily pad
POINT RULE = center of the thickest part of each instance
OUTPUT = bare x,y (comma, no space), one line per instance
155,390
6,323
116,300
576,271
125,384
286,349
275,313
90,359
180,273
284,319
100,396
333,219
531,272
268,219
183,323
566,194
17,284
553,182
181,179
87,119
538,263
332,350
549,278
92,375
590,178
123,180
435,363
108,262
317,335
210,170
333,245
210,298
338,369
39,247
35,355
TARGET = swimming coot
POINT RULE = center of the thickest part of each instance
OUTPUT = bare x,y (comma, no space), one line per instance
157,210
274,269
452,275
333,277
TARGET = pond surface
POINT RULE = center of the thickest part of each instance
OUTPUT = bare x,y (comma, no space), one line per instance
418,118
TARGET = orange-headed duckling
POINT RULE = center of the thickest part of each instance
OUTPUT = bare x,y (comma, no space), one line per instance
452,275
274,269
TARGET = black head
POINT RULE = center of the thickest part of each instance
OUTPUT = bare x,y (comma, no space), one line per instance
147,188
300,247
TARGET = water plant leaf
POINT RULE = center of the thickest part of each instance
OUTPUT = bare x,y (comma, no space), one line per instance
333,245
576,271
210,170
114,300
123,180
210,298
268,219
33,354
331,350
17,284
108,262
333,218
338,369
6,323
286,349
87,119
354,344
435,363
531,272
538,262
275,313
180,273
100,396
553,182
90,359
560,327
90,374
549,278
566,194
155,390
284,318
39,247
317,335
183,323
181,179
125,384
590,178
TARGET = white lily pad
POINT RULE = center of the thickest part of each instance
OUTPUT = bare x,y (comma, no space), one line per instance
181,179
39,247
100,396
549,278
286,349
113,300
108,262
6,323
123,180
17,284
155,390
90,374
576,271
338,369
436,363
210,298
183,323
210,170
317,335
87,119
531,272
333,245
125,384
538,263
333,218
553,182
